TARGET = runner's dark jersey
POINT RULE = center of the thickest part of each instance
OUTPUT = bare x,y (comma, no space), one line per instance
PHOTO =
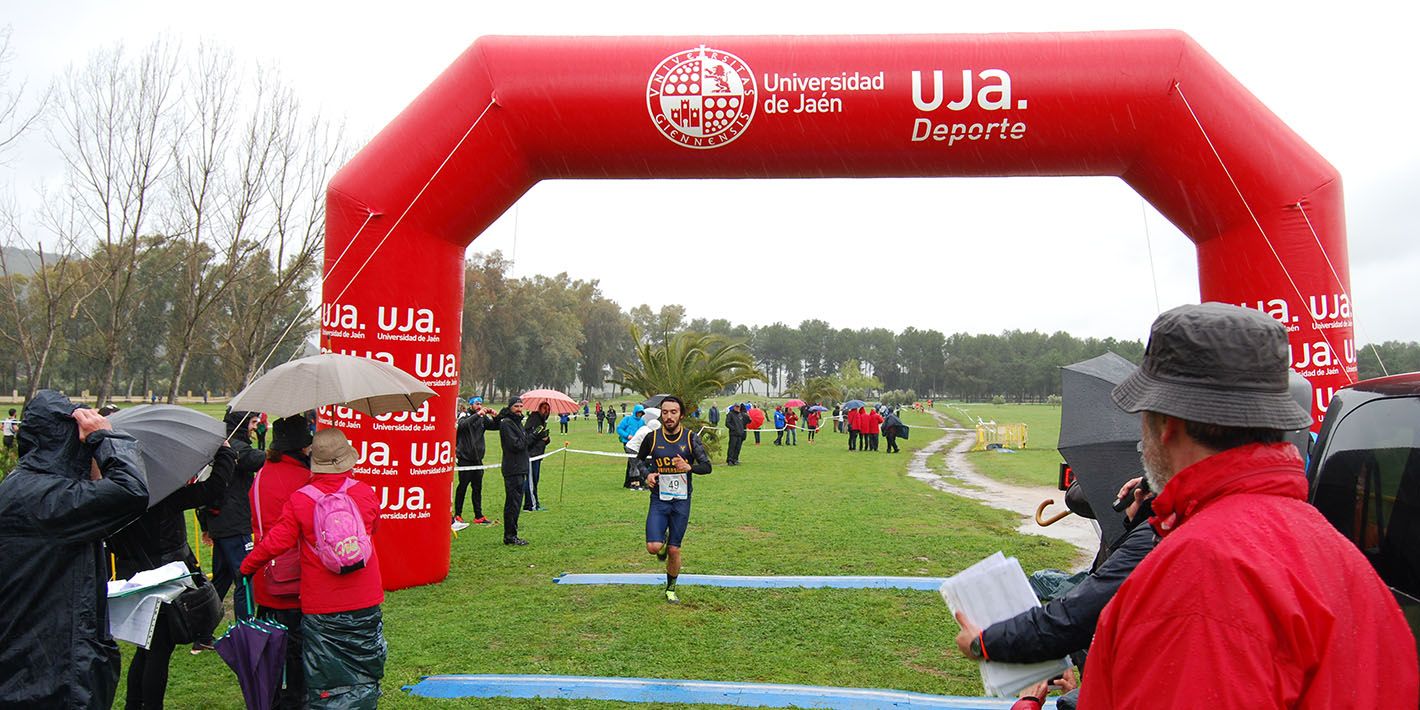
657,450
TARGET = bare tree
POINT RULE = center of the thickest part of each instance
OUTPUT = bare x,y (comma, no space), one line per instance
225,208
38,295
14,121
113,126
270,314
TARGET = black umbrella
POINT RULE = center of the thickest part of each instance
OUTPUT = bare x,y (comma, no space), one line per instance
1097,438
177,442
654,400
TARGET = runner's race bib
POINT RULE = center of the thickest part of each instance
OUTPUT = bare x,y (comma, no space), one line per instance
673,486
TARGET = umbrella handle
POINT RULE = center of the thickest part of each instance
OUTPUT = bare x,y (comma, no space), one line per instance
1052,519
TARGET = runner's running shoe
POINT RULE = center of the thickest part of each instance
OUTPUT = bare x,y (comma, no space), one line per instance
671,597
458,524
482,521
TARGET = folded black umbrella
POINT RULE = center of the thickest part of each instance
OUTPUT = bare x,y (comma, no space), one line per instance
1097,438
176,442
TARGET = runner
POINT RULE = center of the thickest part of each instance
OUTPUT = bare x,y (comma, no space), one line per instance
666,454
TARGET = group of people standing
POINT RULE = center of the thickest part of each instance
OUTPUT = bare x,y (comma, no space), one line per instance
81,489
865,425
523,444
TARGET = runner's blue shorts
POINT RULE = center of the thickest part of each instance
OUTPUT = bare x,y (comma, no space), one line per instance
672,514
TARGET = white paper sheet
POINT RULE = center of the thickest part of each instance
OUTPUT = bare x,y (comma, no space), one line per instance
992,590
133,603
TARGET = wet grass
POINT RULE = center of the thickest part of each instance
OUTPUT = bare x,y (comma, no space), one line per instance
809,509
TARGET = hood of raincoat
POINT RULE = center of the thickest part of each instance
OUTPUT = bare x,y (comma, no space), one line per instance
49,440
236,422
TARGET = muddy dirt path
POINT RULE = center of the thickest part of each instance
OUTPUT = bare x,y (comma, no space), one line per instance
963,479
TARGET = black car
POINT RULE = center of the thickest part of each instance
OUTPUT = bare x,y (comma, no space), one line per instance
1364,472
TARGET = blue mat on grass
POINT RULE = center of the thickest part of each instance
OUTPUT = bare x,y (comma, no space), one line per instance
925,584
653,690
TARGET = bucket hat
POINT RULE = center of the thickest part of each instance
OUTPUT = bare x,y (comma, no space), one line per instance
331,452
1219,364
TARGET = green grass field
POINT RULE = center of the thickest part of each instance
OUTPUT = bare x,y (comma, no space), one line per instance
809,509
1038,464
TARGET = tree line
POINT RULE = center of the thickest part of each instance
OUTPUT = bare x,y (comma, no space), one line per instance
540,331
176,251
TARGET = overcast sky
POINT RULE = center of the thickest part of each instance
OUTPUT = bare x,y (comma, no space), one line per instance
951,254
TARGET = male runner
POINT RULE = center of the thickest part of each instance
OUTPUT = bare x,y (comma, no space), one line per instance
666,455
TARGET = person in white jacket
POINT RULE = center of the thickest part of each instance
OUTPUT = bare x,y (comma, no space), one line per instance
650,421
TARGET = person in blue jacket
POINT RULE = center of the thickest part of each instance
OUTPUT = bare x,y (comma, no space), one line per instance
779,421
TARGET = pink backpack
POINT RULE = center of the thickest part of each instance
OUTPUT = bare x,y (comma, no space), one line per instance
342,542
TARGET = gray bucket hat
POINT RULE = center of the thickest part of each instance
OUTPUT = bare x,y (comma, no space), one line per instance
1216,363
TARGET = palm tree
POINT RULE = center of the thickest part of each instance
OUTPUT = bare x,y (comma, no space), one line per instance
691,366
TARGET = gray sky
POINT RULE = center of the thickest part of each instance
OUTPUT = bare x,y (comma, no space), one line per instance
979,255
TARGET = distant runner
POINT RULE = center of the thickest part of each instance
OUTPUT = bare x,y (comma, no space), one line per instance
666,455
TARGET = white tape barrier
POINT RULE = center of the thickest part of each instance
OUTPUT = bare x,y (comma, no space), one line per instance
499,465
486,467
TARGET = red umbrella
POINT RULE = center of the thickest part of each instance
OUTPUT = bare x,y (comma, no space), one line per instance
756,418
795,403
559,402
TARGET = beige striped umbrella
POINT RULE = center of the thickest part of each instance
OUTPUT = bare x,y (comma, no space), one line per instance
370,386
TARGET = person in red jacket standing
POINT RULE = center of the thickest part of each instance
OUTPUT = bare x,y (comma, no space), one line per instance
1251,598
344,644
872,426
276,585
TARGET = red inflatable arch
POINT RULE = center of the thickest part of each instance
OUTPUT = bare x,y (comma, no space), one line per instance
1264,209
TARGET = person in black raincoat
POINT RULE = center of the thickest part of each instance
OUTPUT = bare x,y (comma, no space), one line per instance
892,429
229,522
158,537
515,441
1066,624
469,447
55,648
538,439
735,422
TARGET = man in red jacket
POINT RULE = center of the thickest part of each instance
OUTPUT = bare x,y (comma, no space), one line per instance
1251,599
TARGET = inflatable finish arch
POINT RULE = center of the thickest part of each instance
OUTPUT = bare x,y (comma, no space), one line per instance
1264,209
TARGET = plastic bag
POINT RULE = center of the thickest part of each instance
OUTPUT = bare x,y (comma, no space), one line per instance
350,648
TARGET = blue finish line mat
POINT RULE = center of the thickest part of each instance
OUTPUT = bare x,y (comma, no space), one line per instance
653,690
925,584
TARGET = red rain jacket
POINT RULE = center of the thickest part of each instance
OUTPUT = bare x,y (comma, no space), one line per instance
323,591
855,420
1251,600
872,423
276,482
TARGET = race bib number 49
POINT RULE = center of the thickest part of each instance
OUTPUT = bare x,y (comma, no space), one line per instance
673,486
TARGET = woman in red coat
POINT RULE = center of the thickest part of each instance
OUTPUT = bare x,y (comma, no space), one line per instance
276,585
344,654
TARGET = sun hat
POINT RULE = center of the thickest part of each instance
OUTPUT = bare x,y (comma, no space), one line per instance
331,452
1215,363
291,433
